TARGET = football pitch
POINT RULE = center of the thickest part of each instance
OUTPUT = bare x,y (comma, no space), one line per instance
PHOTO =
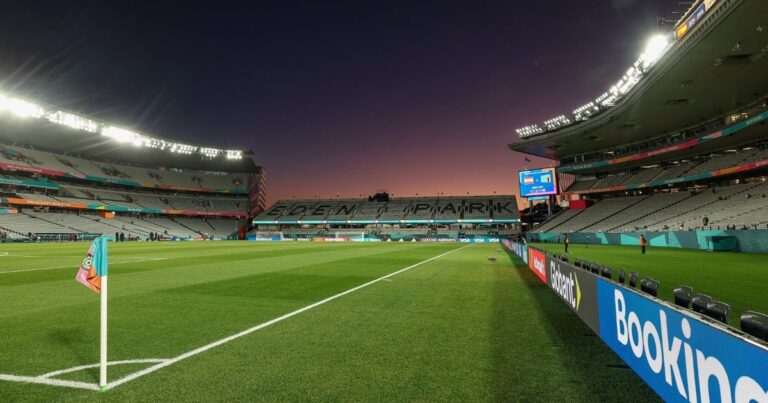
222,321
738,279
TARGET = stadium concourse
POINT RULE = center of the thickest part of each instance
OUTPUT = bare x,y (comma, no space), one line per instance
67,177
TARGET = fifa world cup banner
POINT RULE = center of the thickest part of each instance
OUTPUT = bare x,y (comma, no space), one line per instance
682,357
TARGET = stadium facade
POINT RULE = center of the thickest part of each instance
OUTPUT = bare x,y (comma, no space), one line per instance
385,218
65,176
678,148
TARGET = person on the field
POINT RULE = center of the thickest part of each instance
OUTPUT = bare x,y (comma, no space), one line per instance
587,241
565,242
643,242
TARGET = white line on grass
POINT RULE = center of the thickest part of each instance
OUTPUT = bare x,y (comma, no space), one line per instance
52,382
246,332
82,367
46,379
75,266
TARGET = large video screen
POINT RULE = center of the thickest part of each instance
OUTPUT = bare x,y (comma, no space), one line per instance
538,182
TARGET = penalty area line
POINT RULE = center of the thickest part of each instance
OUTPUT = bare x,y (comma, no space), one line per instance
246,332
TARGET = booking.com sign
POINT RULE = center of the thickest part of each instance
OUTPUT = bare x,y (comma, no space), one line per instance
681,358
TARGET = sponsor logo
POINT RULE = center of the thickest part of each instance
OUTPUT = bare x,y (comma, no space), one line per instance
680,357
538,263
566,286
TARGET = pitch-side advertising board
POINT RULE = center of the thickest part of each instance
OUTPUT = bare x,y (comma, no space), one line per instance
684,357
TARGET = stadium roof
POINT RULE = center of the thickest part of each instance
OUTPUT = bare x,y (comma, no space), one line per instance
49,128
716,67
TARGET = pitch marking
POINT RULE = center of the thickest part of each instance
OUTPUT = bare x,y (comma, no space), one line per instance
162,363
74,266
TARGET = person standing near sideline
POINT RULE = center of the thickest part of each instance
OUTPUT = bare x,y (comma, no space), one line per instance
587,241
643,242
565,242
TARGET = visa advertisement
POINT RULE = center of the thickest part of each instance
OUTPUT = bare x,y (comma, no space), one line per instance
538,182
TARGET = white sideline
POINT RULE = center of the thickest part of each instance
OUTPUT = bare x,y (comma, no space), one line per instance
48,381
162,363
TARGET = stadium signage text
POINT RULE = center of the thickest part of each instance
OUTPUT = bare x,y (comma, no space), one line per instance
683,357
538,264
680,357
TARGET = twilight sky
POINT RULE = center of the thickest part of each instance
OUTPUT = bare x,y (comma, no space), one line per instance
332,96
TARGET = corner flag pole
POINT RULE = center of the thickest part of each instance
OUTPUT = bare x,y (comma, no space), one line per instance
103,353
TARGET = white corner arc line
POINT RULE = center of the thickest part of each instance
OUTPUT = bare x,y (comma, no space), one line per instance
246,332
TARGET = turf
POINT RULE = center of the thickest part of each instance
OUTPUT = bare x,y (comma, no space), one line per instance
736,278
454,328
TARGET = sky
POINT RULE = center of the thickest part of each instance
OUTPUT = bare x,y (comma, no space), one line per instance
333,97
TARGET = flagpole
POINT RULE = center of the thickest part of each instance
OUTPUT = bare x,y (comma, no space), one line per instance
103,354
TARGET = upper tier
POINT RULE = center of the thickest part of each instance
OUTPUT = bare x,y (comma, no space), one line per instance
57,165
716,67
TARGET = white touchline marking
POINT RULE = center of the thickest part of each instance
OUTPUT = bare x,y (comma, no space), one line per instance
46,379
246,332
75,267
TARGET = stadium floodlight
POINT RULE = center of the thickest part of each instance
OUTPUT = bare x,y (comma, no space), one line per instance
234,154
210,152
25,109
21,108
122,135
556,122
683,295
529,130
654,49
73,121
755,324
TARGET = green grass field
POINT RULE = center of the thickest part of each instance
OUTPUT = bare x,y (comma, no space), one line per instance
453,328
736,278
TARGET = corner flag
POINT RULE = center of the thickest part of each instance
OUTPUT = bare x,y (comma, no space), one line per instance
94,265
93,274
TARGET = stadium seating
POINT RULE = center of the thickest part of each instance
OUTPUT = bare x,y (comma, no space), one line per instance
739,206
598,212
151,177
417,208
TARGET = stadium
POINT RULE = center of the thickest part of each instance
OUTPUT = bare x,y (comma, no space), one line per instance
631,266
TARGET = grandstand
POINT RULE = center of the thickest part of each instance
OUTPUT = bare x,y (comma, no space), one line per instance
679,144
444,216
67,177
